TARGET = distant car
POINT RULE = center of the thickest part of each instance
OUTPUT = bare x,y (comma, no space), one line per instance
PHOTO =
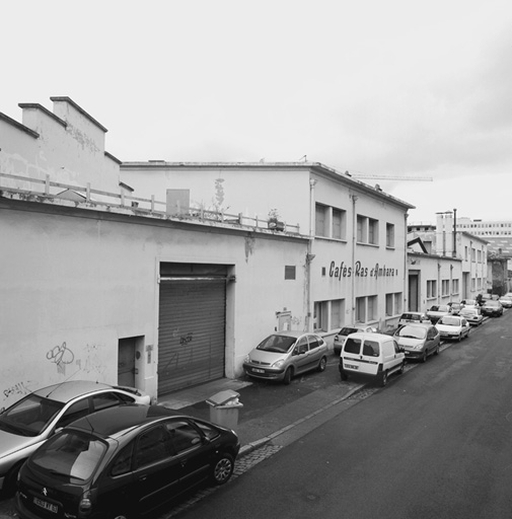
341,336
505,301
453,327
418,340
455,307
472,314
492,308
283,355
435,312
469,302
413,317
373,355
26,424
124,462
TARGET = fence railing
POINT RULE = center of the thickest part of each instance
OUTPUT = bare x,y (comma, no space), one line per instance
87,196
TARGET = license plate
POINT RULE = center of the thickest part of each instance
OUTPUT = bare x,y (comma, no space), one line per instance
256,370
46,505
351,366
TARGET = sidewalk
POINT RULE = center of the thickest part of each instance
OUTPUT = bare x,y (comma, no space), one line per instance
256,424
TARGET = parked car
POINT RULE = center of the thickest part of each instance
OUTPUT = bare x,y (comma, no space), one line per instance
124,462
26,424
374,355
341,336
283,355
435,312
506,301
492,308
418,340
472,314
413,317
455,307
453,327
469,302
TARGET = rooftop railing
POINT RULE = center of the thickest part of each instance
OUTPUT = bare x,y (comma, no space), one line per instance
46,190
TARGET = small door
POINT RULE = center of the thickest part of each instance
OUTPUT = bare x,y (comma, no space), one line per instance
126,362
300,355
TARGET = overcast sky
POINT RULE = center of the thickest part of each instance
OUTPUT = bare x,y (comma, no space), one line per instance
397,87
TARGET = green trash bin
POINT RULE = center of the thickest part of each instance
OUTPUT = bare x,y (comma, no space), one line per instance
224,408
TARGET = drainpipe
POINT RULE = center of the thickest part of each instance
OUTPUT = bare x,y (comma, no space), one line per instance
406,307
310,255
353,277
454,252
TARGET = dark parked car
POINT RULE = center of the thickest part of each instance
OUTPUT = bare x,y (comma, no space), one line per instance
492,308
122,463
33,419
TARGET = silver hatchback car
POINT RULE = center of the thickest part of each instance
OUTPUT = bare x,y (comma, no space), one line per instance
283,355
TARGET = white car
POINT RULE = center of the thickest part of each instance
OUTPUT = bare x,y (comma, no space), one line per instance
506,301
472,314
26,424
371,354
435,312
453,327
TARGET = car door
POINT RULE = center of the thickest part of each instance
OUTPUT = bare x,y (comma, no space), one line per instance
315,352
300,355
370,356
191,450
391,356
157,470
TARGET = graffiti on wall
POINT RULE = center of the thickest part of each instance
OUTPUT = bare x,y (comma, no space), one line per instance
15,391
174,360
61,356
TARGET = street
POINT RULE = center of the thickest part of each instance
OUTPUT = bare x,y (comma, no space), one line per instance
434,443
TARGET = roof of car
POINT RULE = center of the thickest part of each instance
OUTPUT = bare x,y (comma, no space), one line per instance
293,333
66,391
370,335
110,422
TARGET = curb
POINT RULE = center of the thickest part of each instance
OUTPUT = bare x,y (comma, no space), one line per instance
250,447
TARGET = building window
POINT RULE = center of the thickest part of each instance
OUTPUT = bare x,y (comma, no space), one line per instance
320,316
373,231
321,217
289,272
445,287
339,225
390,235
455,286
360,309
372,308
389,305
361,229
431,288
398,303
337,312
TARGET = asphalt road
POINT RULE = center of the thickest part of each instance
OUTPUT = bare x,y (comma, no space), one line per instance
435,443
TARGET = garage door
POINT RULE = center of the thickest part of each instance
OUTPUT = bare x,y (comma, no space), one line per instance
191,335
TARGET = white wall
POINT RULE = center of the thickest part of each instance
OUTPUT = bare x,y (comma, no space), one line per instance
74,282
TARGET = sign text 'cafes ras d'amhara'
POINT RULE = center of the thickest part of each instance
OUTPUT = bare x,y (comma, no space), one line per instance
344,271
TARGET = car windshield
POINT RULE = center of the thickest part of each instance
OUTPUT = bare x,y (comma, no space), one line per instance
70,455
412,332
468,311
30,416
449,321
277,343
492,303
347,331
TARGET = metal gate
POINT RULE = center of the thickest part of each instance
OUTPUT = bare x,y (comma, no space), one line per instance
191,334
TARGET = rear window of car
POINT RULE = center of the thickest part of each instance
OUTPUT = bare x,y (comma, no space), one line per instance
411,317
371,348
70,455
352,345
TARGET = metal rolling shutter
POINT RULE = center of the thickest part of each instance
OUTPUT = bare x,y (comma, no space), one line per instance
191,335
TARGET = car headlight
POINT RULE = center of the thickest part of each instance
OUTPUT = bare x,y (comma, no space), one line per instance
247,358
278,364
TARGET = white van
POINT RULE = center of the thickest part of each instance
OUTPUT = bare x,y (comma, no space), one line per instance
372,354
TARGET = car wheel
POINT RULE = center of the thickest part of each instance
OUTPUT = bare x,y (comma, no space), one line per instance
222,470
384,378
288,376
424,356
322,364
